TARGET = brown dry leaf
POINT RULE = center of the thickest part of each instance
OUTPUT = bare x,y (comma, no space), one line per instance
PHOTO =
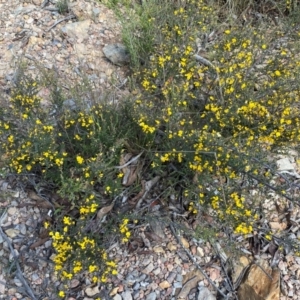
278,226
260,286
191,280
274,293
74,283
39,243
185,243
104,211
158,249
92,290
272,247
130,177
152,236
214,274
129,171
246,292
239,270
34,196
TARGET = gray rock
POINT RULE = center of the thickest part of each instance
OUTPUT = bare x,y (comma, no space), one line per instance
136,295
130,279
144,283
69,104
179,277
96,12
148,269
151,296
205,294
77,29
142,278
24,9
22,228
157,227
35,277
177,285
157,271
117,297
136,286
126,295
117,54
17,282
171,277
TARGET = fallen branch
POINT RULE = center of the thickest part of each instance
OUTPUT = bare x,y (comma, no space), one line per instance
61,20
191,257
146,188
130,161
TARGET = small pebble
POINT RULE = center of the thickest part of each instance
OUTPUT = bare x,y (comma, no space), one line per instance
151,296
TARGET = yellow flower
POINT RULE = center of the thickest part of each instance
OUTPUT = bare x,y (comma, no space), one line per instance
92,268
11,138
277,73
114,272
46,224
61,294
67,220
79,159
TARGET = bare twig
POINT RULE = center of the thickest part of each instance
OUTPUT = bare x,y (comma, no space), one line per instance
229,282
206,62
130,161
61,20
196,264
147,187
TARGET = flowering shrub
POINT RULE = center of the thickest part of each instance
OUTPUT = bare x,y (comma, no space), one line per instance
76,152
210,121
220,116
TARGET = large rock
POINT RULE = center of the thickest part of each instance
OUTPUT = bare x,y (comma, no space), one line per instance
117,54
77,30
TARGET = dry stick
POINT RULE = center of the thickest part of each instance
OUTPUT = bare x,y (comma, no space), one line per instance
195,263
224,270
130,161
61,20
19,272
274,189
206,62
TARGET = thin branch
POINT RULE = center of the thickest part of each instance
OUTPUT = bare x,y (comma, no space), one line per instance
61,20
196,264
206,62
130,161
273,189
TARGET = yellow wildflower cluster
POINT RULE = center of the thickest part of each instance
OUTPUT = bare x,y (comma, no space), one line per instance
125,230
225,111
